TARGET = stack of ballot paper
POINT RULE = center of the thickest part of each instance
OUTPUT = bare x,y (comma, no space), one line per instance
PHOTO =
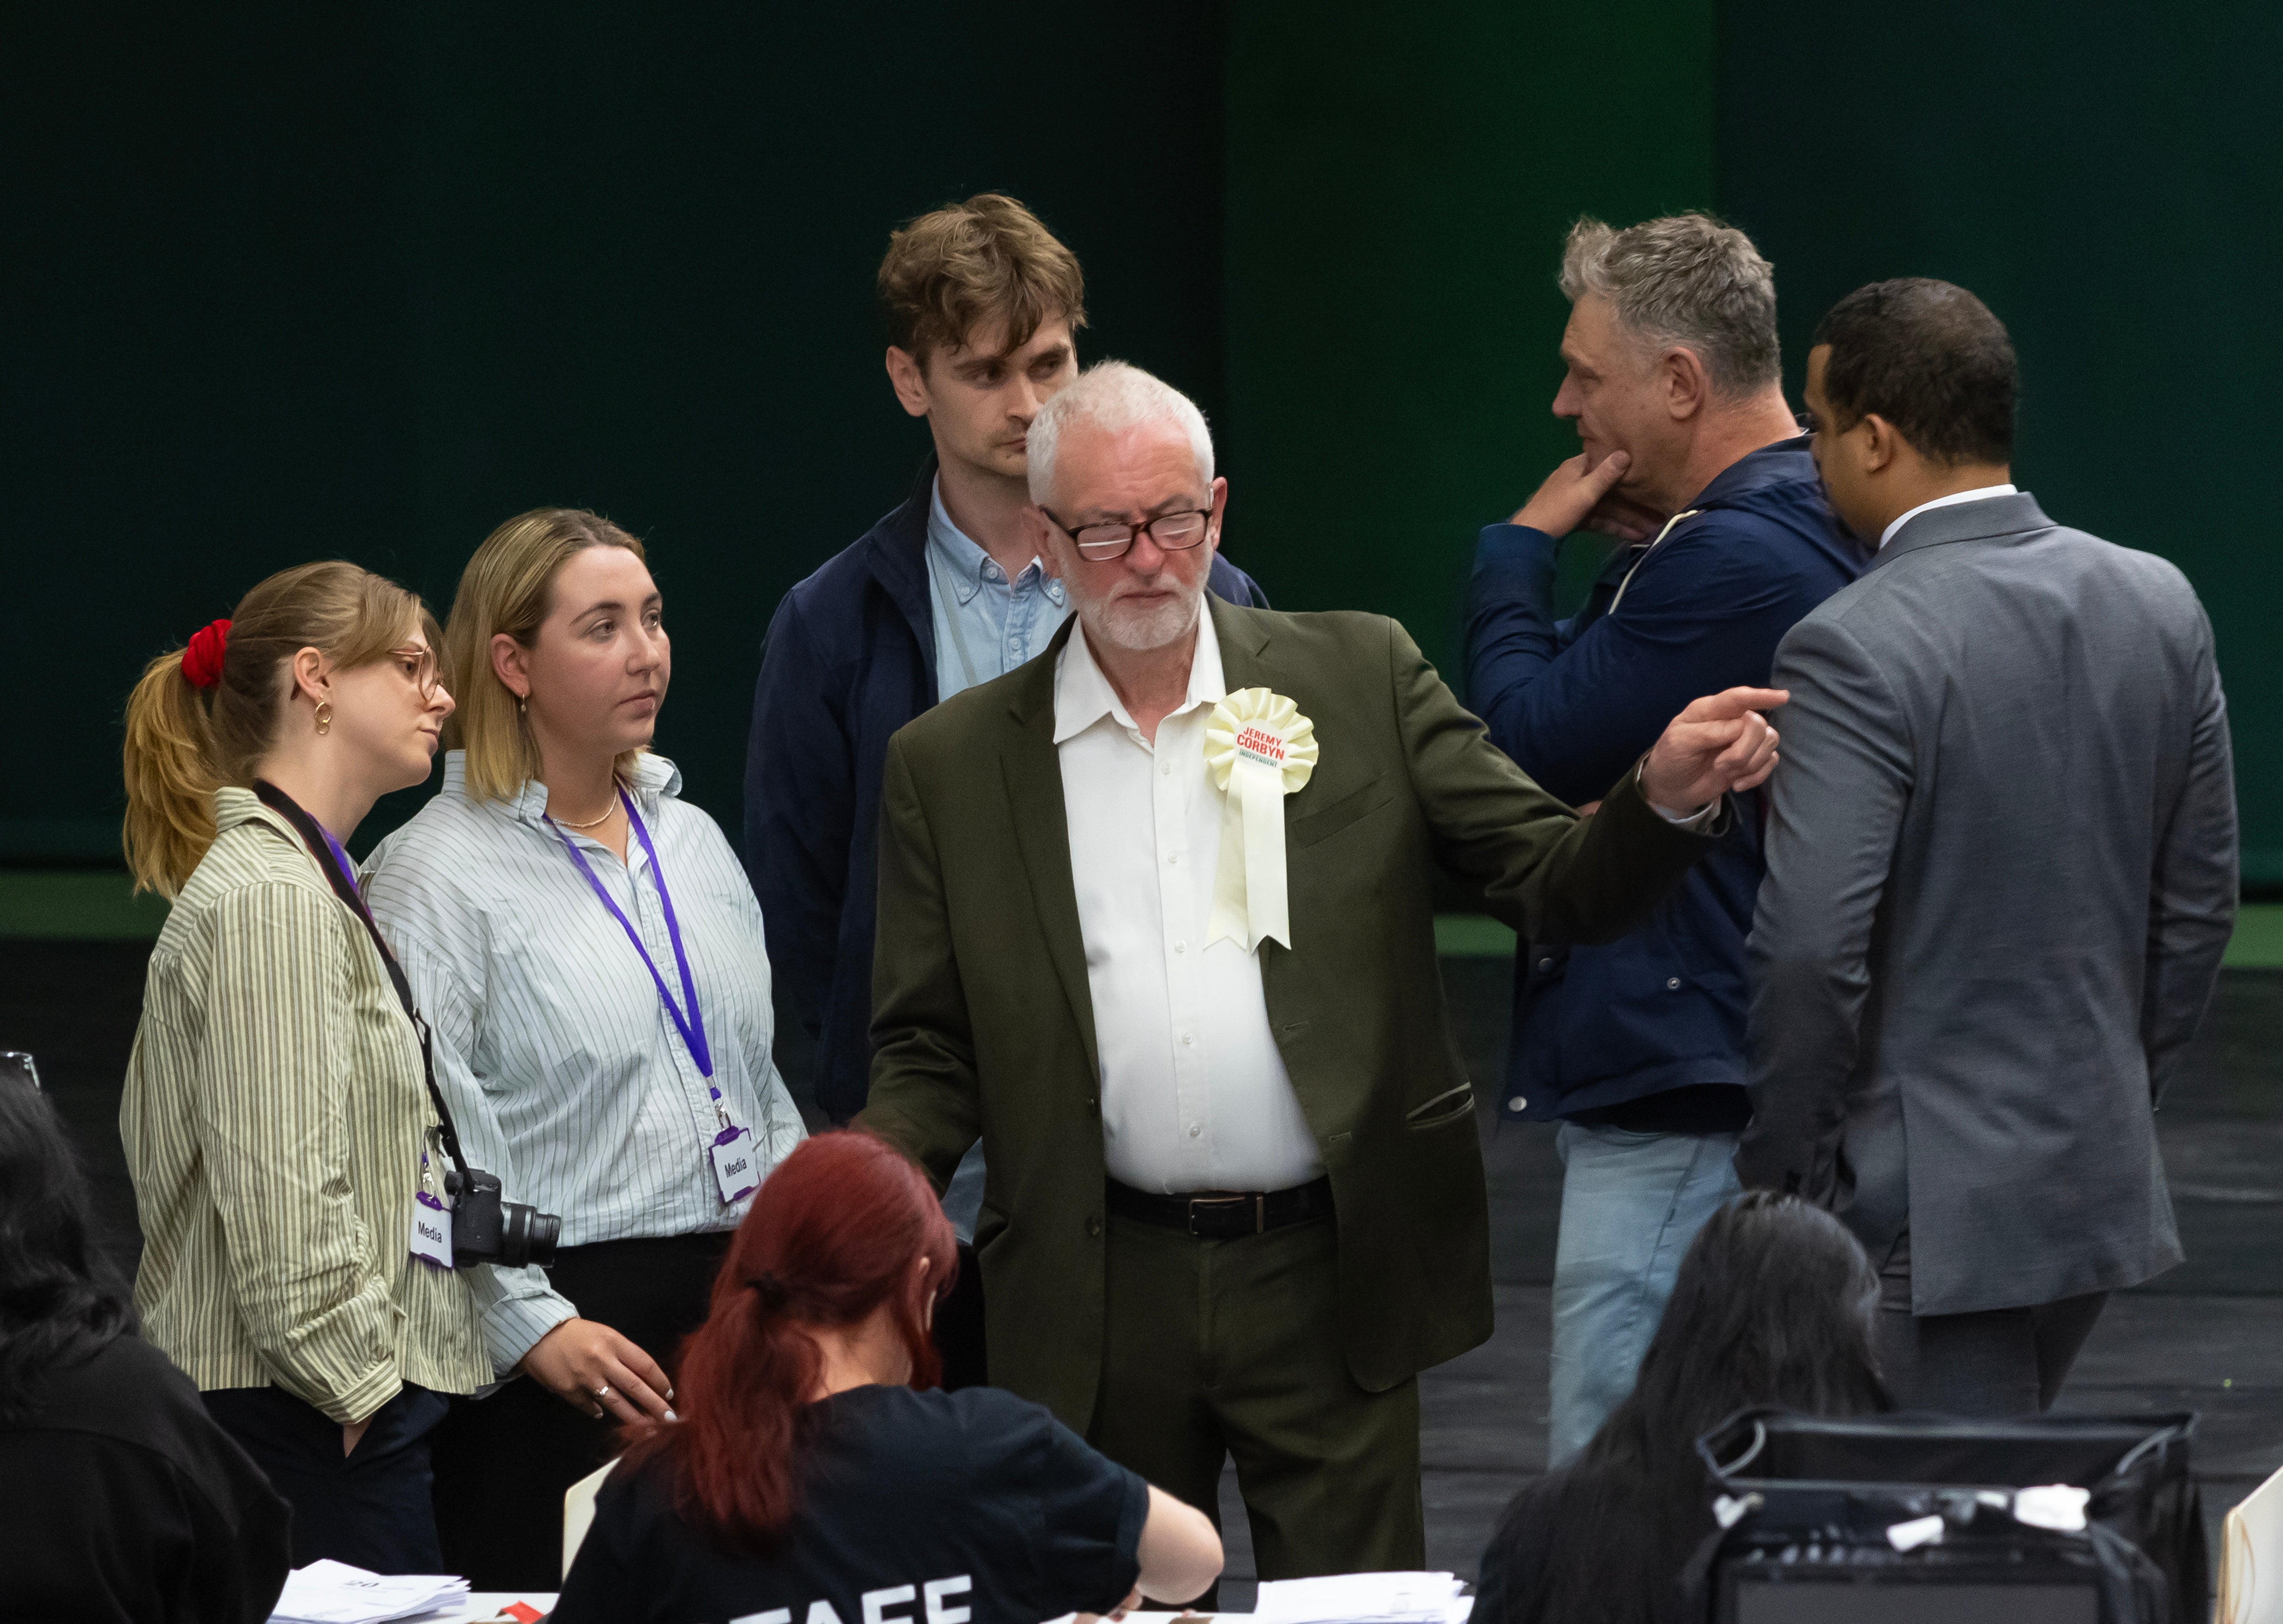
327,1592
1364,1598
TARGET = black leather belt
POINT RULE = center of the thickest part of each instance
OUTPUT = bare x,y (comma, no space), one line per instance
1224,1215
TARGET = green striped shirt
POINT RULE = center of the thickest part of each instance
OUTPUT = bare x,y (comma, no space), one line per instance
275,1119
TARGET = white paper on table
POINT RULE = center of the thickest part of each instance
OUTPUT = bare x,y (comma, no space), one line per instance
330,1592
1360,1599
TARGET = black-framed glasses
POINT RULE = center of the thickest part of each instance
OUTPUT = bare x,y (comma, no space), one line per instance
1173,533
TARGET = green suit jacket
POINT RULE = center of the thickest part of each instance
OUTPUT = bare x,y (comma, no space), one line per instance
984,1024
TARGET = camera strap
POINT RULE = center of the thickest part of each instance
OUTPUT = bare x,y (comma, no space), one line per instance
341,873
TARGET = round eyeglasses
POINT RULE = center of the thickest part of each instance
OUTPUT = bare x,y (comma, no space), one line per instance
1173,533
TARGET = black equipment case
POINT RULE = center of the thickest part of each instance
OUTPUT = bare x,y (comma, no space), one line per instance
1880,1520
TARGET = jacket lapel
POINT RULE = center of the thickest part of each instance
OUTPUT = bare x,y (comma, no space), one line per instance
1033,774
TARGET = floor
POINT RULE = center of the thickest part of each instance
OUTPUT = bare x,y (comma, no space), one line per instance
2209,1336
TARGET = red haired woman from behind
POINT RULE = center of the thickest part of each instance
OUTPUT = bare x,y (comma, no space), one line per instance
817,1476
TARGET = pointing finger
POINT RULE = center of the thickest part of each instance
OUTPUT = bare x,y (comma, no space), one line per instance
1734,702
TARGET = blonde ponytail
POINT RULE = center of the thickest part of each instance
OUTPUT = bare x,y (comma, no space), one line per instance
184,742
170,776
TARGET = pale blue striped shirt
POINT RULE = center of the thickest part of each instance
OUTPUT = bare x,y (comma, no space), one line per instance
563,1071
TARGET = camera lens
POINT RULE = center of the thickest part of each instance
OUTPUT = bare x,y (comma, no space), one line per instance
527,1235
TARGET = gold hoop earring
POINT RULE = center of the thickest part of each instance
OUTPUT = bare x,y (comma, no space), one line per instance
324,716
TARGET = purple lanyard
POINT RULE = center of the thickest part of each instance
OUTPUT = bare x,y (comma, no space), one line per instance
693,1028
340,857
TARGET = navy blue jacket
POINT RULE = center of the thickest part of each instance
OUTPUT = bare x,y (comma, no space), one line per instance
1576,702
850,657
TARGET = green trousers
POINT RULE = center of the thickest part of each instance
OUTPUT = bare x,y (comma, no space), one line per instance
1232,1347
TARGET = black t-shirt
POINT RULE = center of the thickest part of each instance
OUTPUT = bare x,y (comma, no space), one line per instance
123,1503
974,1507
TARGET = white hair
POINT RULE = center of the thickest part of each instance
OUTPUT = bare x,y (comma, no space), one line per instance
1113,397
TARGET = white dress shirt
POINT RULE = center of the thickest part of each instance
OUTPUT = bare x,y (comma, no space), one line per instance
565,1076
1195,1095
1979,493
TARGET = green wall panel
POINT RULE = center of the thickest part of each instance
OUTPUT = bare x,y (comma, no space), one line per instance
1398,182
2109,178
293,281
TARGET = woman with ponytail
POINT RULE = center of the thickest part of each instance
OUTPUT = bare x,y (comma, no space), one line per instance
290,1163
815,1469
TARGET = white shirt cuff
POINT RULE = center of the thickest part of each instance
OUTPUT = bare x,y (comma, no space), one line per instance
1695,821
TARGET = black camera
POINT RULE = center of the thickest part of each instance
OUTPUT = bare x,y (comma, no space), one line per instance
487,1230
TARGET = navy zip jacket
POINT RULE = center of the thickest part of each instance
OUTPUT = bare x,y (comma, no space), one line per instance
1575,702
850,657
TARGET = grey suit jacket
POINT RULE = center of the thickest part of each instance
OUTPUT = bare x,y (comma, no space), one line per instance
2001,872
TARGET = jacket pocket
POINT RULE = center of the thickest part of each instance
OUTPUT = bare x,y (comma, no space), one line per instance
1329,820
1446,1107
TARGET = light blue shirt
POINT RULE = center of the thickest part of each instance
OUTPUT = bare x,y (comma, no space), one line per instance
985,624
565,1076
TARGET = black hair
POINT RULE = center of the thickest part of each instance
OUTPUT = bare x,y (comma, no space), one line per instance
1773,1305
1931,359
60,1301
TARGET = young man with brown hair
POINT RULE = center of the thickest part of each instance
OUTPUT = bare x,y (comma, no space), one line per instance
982,306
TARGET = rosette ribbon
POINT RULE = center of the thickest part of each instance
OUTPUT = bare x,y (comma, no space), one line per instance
1258,750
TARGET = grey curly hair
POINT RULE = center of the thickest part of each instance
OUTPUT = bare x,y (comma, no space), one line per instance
1688,280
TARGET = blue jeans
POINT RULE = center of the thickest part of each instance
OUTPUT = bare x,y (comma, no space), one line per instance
1631,1203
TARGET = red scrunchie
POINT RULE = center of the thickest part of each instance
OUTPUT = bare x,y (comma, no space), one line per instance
202,659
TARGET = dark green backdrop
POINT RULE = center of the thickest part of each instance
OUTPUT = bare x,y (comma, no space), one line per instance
291,282
364,281
2109,178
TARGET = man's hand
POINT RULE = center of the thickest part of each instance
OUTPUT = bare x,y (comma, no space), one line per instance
1575,497
353,1435
592,1368
1720,742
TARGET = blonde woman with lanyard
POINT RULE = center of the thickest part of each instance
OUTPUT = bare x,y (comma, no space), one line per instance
277,1119
590,953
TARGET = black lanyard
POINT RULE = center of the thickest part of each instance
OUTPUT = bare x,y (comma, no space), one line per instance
322,846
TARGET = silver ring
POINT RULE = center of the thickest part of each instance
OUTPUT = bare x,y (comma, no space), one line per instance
602,1392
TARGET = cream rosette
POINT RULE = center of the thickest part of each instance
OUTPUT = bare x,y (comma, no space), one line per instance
1258,749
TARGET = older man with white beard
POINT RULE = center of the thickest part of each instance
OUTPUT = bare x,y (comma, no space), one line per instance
1156,925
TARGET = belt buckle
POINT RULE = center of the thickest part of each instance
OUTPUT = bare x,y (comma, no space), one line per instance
1260,1211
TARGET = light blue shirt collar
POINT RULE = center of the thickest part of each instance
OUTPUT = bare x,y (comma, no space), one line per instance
966,566
654,776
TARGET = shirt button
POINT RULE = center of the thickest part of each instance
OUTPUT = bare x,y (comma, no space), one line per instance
1172,858
1672,983
1181,947
1194,1131
1545,964
1186,1040
1516,1103
1093,1226
1165,771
